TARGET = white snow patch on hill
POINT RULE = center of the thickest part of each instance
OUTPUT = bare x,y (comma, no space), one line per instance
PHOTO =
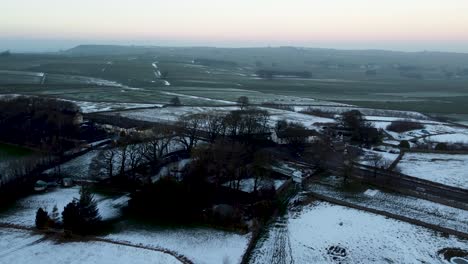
442,168
22,247
203,246
307,237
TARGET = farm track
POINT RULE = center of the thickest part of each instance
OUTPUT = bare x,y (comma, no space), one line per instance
282,247
58,234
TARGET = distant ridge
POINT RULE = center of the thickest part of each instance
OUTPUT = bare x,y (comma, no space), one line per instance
347,55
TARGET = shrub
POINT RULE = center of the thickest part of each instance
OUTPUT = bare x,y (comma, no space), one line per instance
175,101
317,112
70,216
81,215
404,126
404,144
441,147
42,219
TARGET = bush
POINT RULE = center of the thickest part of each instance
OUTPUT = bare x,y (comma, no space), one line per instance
404,126
70,216
404,144
441,147
42,219
81,215
175,101
243,102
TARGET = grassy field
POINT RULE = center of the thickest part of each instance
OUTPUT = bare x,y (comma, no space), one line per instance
433,83
10,152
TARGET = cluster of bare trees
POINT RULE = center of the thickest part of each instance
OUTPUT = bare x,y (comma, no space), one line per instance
13,169
128,153
229,161
38,122
214,125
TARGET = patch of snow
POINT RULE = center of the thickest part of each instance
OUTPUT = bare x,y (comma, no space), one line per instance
204,246
309,236
24,211
442,168
248,185
398,204
93,107
371,192
449,138
25,248
197,97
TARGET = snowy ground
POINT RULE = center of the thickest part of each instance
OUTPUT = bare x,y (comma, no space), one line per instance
171,114
308,121
24,210
202,246
432,129
408,206
387,158
449,138
198,98
77,168
92,107
442,168
171,169
374,113
247,185
326,233
22,247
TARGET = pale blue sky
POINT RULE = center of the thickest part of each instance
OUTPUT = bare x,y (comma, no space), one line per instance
382,24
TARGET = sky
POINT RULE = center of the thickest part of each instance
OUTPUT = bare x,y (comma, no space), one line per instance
408,25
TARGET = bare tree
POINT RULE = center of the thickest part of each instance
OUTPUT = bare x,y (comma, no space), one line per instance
259,167
214,125
156,145
188,129
377,161
175,101
243,102
135,157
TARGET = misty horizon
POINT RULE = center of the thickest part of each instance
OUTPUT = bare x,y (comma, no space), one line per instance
49,25
57,45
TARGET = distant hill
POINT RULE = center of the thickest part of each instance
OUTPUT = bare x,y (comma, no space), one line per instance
324,56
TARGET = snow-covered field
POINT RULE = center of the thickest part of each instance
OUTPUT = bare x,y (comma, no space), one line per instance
429,130
24,210
326,233
374,113
248,185
202,246
171,114
450,138
77,168
442,168
408,206
308,121
387,158
22,247
92,107
198,98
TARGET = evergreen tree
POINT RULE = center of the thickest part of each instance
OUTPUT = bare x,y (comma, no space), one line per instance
42,218
70,216
88,211
81,215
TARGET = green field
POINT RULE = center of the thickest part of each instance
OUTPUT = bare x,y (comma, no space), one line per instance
11,152
435,83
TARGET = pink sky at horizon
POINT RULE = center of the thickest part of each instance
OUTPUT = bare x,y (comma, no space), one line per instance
429,24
